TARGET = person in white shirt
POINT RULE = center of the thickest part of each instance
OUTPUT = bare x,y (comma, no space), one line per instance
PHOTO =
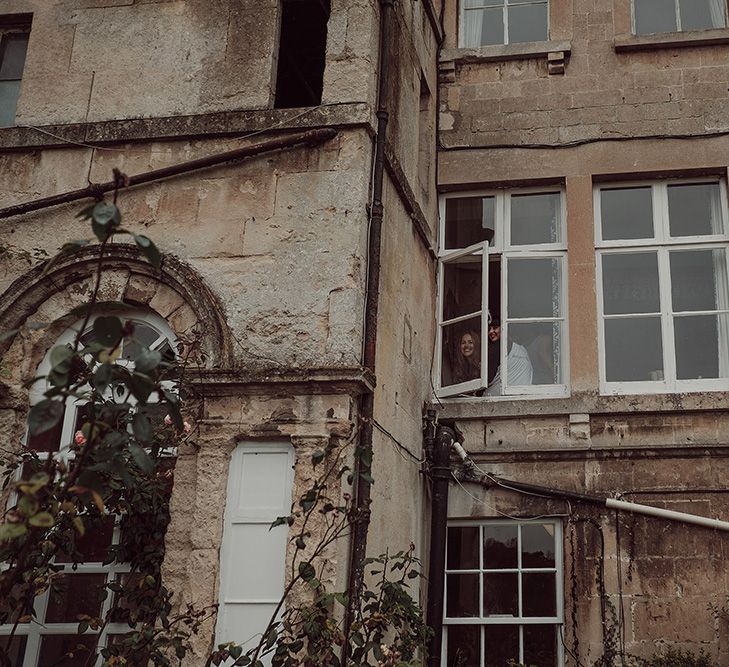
518,363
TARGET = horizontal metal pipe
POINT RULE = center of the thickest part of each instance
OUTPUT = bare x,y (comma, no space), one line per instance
310,137
476,475
670,515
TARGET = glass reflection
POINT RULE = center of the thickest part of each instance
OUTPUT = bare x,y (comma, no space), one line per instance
499,547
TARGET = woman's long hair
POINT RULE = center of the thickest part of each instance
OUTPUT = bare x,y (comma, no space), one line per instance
467,368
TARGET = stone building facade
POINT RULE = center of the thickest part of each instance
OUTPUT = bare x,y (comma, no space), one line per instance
501,161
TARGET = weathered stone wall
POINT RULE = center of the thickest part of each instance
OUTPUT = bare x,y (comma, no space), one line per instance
256,232
613,85
624,107
664,574
92,60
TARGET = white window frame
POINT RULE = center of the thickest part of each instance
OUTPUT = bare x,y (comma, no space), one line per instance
661,243
502,248
36,630
677,9
505,4
557,621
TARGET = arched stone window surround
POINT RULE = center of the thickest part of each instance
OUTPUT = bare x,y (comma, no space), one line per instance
176,293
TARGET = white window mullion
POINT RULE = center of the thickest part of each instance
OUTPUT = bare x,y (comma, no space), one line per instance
505,9
669,347
677,9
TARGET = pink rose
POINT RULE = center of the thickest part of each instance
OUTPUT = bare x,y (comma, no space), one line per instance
186,427
79,438
168,420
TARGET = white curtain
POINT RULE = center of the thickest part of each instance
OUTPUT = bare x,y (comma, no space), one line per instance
472,28
722,303
718,13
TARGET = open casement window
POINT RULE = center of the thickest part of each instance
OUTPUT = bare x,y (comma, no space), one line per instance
663,290
508,311
492,22
463,308
657,16
503,594
76,591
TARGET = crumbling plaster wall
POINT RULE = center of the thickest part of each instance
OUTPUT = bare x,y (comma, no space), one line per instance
256,231
605,91
664,574
197,508
180,57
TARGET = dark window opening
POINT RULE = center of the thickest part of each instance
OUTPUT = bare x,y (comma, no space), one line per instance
302,53
14,31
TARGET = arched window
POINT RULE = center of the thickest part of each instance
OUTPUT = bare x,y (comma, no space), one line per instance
76,592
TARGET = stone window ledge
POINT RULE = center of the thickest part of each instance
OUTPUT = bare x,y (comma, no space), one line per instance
671,40
582,403
503,52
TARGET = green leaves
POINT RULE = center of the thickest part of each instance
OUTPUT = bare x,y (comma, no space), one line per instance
108,331
44,416
149,249
105,219
142,428
12,531
147,360
306,571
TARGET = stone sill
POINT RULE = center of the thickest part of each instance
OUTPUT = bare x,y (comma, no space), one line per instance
503,52
228,123
582,403
671,40
354,380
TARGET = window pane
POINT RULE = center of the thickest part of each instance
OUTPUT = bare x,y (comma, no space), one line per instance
12,56
143,336
15,649
463,548
66,650
483,3
9,92
542,341
633,349
527,23
462,595
461,356
462,286
540,645
630,283
702,346
501,594
627,213
694,210
464,645
499,547
469,220
702,14
535,218
483,27
699,280
654,16
534,287
48,441
501,645
94,545
537,545
539,594
74,594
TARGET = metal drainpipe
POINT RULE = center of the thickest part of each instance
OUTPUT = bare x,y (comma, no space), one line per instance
309,138
363,464
440,473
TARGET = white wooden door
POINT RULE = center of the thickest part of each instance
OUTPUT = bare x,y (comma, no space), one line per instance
252,556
